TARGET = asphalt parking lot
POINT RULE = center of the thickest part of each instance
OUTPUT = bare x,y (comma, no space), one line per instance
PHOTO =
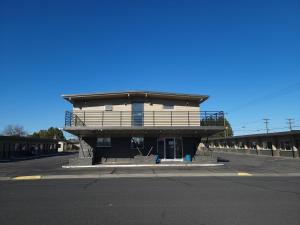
209,200
237,163
178,200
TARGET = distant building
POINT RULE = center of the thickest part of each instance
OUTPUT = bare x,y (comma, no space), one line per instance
67,145
126,124
12,147
277,144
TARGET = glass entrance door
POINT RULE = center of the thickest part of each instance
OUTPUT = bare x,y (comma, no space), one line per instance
170,148
178,148
137,114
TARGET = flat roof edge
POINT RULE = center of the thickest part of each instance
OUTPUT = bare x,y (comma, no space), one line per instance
107,95
293,132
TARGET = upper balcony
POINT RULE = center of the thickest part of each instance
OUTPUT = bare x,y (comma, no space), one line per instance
94,118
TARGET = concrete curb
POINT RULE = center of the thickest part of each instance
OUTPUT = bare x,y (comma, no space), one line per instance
145,165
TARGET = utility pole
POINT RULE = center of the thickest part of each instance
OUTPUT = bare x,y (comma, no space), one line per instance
290,123
266,121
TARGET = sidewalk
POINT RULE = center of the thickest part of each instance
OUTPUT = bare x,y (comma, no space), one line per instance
182,164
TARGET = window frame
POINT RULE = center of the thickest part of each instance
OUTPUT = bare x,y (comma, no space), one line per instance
168,106
108,108
98,145
136,146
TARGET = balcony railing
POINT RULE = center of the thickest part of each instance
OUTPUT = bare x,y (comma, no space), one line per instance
143,119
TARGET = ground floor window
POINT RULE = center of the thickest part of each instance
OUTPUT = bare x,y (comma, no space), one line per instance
241,145
285,145
137,142
104,142
269,145
253,145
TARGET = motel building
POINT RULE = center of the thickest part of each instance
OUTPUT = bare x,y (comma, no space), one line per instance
139,124
286,144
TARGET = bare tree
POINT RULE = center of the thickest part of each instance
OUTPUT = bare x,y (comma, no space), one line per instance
14,130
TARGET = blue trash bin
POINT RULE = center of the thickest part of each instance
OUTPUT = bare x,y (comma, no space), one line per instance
157,159
188,158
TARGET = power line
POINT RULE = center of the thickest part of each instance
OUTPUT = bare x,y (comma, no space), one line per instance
252,122
290,126
284,91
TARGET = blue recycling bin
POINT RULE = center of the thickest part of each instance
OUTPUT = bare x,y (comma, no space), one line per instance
188,158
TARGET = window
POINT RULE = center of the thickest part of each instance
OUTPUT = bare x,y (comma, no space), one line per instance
103,142
168,106
269,145
241,145
137,142
287,145
264,145
108,107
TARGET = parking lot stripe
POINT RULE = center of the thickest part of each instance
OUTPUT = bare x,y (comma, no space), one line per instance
244,174
36,177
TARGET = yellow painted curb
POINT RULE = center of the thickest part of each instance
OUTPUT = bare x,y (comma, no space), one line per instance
27,178
244,174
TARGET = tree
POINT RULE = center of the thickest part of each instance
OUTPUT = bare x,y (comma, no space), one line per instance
14,130
228,130
52,132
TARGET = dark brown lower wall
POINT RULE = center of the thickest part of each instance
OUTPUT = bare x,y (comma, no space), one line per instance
190,145
121,148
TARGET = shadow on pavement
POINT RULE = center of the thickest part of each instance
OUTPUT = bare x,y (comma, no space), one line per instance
37,157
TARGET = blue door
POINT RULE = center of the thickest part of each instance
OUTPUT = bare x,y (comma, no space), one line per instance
137,114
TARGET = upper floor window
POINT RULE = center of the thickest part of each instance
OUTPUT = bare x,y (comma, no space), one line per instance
168,106
108,107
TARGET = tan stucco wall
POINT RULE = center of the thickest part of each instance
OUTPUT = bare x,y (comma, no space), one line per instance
118,105
157,105
183,114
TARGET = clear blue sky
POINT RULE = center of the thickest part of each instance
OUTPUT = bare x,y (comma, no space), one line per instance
244,54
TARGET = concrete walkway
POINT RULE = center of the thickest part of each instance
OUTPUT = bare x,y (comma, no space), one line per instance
145,165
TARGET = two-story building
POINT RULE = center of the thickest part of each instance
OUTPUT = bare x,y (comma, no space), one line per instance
126,124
